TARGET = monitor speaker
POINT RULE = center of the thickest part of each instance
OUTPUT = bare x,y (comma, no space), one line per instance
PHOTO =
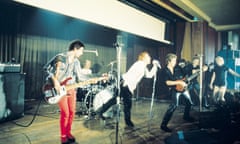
12,87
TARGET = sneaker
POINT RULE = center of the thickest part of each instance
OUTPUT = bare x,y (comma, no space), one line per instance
165,128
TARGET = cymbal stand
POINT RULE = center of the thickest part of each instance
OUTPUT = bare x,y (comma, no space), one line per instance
89,94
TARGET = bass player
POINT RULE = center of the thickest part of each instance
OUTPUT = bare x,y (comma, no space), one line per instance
63,66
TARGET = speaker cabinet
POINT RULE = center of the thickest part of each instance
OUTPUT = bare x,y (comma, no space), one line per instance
12,87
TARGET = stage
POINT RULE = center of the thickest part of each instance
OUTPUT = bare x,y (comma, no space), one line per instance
40,124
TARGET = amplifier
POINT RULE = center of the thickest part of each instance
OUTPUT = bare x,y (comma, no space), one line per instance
10,67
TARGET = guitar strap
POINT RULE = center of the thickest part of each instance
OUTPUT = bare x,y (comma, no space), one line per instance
50,68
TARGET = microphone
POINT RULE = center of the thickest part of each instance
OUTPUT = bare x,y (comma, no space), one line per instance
157,63
96,52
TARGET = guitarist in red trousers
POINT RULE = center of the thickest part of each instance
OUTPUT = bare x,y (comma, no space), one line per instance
171,74
61,67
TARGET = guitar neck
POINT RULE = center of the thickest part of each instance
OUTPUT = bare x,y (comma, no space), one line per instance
77,85
80,84
193,76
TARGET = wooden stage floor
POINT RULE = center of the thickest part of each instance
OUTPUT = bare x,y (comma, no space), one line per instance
44,127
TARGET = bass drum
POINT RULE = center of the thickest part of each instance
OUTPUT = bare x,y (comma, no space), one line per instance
102,98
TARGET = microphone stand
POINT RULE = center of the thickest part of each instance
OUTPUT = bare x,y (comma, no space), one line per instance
119,48
201,84
152,100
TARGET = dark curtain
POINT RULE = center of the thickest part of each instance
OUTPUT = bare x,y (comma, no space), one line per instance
33,36
180,31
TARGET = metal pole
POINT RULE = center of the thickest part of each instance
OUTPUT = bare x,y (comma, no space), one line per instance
118,46
151,107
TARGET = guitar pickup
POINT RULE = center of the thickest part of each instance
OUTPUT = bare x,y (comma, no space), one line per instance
62,91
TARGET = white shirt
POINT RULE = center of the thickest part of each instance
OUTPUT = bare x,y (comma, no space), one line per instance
135,73
86,71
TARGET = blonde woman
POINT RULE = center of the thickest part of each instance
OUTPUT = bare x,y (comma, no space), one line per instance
218,81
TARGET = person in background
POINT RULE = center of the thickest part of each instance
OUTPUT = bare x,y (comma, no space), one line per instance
218,79
86,70
171,74
194,86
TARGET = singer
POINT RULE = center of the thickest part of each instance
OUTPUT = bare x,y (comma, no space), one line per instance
131,78
129,82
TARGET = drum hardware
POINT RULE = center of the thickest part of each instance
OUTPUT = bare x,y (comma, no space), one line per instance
94,96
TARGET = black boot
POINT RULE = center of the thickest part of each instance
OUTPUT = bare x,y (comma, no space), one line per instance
128,121
166,118
165,128
186,115
205,102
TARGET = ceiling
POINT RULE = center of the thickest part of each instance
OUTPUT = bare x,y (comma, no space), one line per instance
222,15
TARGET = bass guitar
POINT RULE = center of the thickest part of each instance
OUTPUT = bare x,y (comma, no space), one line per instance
53,97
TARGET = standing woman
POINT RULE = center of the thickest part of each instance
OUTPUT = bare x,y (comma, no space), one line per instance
131,78
63,66
218,80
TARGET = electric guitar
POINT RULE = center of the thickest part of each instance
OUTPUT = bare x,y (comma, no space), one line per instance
181,88
53,97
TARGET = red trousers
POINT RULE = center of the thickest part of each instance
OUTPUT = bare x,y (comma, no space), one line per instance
67,107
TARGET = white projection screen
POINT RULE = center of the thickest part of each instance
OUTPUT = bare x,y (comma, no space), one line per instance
109,13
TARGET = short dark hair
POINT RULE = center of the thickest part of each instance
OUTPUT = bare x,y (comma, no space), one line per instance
75,44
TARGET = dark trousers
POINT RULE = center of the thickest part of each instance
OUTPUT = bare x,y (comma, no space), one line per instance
126,95
172,107
195,91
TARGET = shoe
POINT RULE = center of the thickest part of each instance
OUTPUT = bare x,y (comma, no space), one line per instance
64,140
71,139
100,116
206,106
165,128
189,119
130,124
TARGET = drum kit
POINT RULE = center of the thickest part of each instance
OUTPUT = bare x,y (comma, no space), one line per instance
93,97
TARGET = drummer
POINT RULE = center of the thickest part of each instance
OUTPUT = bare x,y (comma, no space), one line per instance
86,70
